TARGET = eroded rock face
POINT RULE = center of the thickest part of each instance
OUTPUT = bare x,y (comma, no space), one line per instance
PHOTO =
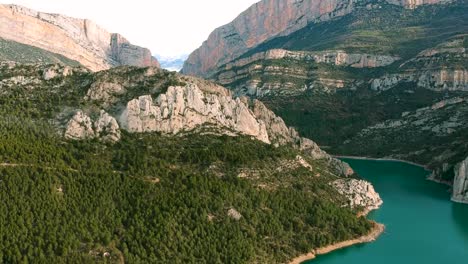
460,184
77,39
438,80
339,58
266,20
359,193
81,127
186,108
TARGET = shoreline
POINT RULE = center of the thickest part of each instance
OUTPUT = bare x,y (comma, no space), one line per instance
375,232
382,159
429,178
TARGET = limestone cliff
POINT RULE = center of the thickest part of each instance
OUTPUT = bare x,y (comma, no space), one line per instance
266,20
460,185
77,39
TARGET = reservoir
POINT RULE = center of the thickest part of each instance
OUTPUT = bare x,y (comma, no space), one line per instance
422,224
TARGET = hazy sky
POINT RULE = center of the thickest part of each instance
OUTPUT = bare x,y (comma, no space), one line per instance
167,27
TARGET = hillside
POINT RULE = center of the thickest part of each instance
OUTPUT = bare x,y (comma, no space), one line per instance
144,165
270,19
336,79
76,39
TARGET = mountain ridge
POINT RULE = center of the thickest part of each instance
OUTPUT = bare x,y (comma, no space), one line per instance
78,39
250,29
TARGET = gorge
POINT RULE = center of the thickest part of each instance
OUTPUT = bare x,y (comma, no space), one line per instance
324,131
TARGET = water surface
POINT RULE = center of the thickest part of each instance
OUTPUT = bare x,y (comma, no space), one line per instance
422,224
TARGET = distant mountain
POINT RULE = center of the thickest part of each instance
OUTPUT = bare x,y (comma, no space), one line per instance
78,40
173,63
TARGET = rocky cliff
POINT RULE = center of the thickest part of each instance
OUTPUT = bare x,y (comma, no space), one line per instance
77,39
460,185
266,20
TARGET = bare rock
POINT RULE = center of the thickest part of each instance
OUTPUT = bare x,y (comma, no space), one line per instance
77,39
186,108
460,184
234,214
359,193
80,127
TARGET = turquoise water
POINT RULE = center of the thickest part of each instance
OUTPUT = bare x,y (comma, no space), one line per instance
422,225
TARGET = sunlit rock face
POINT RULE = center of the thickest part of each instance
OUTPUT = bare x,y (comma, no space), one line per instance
77,39
265,20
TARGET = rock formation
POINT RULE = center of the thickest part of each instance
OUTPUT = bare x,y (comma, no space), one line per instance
460,185
187,108
438,80
266,20
77,39
82,127
359,193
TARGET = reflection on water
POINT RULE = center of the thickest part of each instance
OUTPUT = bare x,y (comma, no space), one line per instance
460,218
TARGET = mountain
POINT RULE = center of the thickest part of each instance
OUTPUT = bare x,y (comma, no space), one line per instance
174,63
268,19
79,40
149,166
361,78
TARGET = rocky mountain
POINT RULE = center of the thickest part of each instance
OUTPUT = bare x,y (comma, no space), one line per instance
79,40
360,77
143,154
270,19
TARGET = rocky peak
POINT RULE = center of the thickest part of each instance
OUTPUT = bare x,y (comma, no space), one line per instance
77,39
268,19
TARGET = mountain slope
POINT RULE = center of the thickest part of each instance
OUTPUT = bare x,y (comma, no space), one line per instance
144,165
333,79
266,20
77,39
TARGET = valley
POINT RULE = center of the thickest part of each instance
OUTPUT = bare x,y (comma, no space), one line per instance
310,131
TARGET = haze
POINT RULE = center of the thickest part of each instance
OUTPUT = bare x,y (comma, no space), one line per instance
168,27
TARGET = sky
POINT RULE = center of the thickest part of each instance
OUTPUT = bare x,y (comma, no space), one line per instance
168,27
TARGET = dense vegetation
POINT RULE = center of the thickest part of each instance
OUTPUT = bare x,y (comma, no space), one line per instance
150,198
331,119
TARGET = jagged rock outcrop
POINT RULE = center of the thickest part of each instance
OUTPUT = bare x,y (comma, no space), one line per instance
186,108
460,184
266,20
81,127
77,39
359,193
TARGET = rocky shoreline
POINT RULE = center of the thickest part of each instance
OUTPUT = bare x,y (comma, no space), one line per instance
375,232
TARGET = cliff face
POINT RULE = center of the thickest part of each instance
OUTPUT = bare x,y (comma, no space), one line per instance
460,185
77,39
266,20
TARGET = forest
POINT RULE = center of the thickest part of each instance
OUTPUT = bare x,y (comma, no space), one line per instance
152,198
